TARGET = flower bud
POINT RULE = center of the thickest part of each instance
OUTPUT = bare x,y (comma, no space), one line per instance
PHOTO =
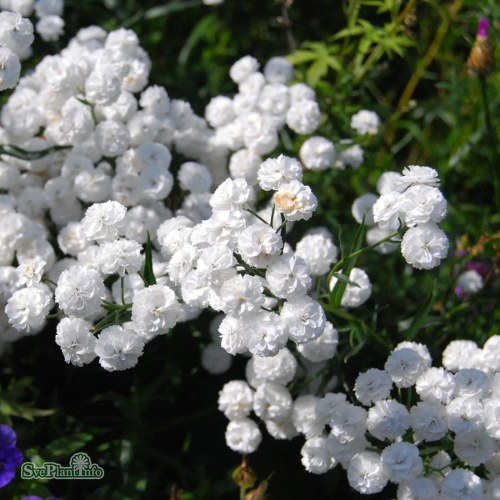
481,59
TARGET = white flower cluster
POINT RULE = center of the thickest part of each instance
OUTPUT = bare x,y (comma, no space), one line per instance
16,37
409,200
417,447
117,163
248,124
50,25
320,153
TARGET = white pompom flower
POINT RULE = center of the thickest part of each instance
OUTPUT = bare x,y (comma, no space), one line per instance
316,457
470,282
274,172
155,309
424,246
372,386
318,251
366,473
266,333
420,204
303,117
304,318
388,419
104,221
288,277
27,308
317,153
243,435
30,271
416,174
194,177
79,291
120,256
10,68
236,399
259,245
278,70
365,122
321,348
118,348
16,32
461,483
242,68
76,341
272,401
215,360
402,462
295,201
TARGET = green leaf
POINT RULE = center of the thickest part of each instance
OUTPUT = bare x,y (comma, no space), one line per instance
117,317
169,8
195,36
67,445
301,56
334,63
148,275
349,262
343,278
316,71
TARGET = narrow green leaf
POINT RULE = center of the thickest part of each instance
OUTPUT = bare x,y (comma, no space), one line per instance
343,278
148,275
349,262
316,71
420,318
334,63
169,8
207,23
301,56
116,317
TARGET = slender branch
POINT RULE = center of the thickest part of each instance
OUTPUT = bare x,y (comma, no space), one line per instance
420,70
287,23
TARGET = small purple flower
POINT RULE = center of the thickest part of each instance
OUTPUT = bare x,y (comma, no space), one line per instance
33,497
482,29
10,457
481,268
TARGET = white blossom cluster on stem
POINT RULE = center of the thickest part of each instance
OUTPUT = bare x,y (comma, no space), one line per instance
412,203
445,441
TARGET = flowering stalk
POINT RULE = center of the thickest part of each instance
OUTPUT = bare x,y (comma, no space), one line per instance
491,137
480,62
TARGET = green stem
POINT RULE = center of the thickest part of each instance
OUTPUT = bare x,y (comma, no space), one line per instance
495,171
340,263
46,279
273,211
122,286
24,154
255,214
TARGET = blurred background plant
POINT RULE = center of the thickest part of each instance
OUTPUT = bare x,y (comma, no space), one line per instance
155,429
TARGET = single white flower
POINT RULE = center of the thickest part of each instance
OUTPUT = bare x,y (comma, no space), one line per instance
118,348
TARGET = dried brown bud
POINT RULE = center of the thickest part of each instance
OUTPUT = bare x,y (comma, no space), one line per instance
243,475
481,60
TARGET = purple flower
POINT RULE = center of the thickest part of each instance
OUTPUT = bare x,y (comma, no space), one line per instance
482,29
10,457
481,268
33,497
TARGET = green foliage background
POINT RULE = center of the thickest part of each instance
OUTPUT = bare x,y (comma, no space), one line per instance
157,425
